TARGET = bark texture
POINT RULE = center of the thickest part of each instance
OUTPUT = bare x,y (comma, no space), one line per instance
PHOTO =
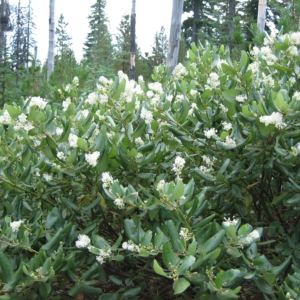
132,41
261,16
175,30
51,39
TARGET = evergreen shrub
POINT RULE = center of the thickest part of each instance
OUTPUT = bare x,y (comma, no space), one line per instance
185,187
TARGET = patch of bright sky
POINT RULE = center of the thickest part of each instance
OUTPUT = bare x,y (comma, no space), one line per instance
150,16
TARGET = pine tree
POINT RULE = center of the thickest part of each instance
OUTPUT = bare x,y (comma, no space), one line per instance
159,49
123,45
98,46
63,40
5,24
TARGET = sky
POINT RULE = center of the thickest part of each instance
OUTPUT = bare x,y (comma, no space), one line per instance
150,16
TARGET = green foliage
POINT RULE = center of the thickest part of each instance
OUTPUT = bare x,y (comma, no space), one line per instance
172,188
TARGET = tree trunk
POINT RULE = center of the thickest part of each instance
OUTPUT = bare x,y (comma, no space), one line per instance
4,25
261,16
230,16
51,39
175,30
132,42
195,21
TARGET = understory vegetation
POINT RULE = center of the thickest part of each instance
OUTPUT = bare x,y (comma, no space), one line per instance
181,187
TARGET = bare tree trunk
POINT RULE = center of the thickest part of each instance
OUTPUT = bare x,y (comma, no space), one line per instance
51,39
261,16
132,42
175,30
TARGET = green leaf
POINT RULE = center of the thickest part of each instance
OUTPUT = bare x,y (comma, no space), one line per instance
158,269
120,89
212,243
7,272
15,280
139,130
228,70
109,296
13,112
231,94
180,285
83,144
115,280
131,293
178,191
188,261
168,256
294,200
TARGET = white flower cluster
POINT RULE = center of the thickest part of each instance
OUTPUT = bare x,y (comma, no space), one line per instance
179,72
210,133
73,138
5,118
252,236
268,81
185,234
38,101
229,142
296,96
104,84
47,177
156,87
75,81
22,123
193,107
295,150
227,126
59,130
213,81
131,246
66,103
228,222
241,98
146,115
161,186
92,158
254,67
178,165
289,296
139,141
119,203
268,56
83,241
275,118
223,108
15,225
107,179
209,163
92,98
103,254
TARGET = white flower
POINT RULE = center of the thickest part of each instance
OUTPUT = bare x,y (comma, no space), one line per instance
100,260
161,185
275,118
228,222
66,103
156,87
178,165
254,67
15,225
60,155
130,246
185,234
146,115
59,131
241,98
292,51
73,140
76,80
119,202
139,141
83,241
68,87
179,72
92,98
297,96
179,98
223,108
107,179
5,118
213,81
92,158
229,142
38,101
103,99
210,133
47,177
169,98
227,126
251,237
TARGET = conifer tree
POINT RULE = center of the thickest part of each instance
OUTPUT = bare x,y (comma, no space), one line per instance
98,46
63,40
5,24
159,49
